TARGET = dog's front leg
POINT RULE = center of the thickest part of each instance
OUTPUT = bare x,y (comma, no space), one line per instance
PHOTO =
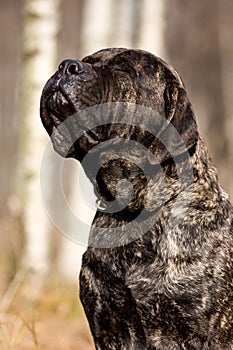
109,307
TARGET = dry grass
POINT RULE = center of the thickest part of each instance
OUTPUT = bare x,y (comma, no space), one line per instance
51,320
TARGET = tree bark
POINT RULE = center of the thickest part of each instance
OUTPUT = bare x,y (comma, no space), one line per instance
40,33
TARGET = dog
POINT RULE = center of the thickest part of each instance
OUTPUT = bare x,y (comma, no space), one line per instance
158,270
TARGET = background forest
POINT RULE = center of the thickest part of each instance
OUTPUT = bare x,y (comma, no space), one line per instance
39,308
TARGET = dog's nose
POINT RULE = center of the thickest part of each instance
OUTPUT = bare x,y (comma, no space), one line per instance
70,67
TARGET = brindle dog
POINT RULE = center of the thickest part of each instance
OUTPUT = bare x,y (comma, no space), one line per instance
164,281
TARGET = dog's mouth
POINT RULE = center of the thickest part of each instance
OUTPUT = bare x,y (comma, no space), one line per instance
56,112
61,120
59,107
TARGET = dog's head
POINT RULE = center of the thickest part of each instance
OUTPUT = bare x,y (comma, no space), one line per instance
118,94
108,76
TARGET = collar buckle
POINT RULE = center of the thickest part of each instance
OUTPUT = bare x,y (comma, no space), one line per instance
101,206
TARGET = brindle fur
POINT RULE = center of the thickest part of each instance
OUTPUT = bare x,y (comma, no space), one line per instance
172,287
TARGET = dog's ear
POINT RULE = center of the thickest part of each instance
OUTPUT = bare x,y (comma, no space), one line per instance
179,129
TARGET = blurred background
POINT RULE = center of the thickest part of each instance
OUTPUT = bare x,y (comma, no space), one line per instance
39,266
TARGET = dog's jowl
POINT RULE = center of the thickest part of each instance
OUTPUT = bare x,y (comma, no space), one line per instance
158,270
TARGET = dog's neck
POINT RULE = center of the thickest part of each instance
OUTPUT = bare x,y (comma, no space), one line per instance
121,183
156,200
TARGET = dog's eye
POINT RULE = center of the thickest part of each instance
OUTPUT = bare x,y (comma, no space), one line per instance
125,71
118,71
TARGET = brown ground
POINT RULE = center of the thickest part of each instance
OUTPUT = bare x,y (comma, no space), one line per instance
54,320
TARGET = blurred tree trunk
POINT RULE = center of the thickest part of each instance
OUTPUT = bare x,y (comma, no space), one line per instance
125,18
97,25
152,27
192,40
40,34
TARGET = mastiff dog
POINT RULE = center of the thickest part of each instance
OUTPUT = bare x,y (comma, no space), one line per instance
158,269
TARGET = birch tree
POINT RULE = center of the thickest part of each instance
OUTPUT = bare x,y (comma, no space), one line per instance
40,32
152,27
